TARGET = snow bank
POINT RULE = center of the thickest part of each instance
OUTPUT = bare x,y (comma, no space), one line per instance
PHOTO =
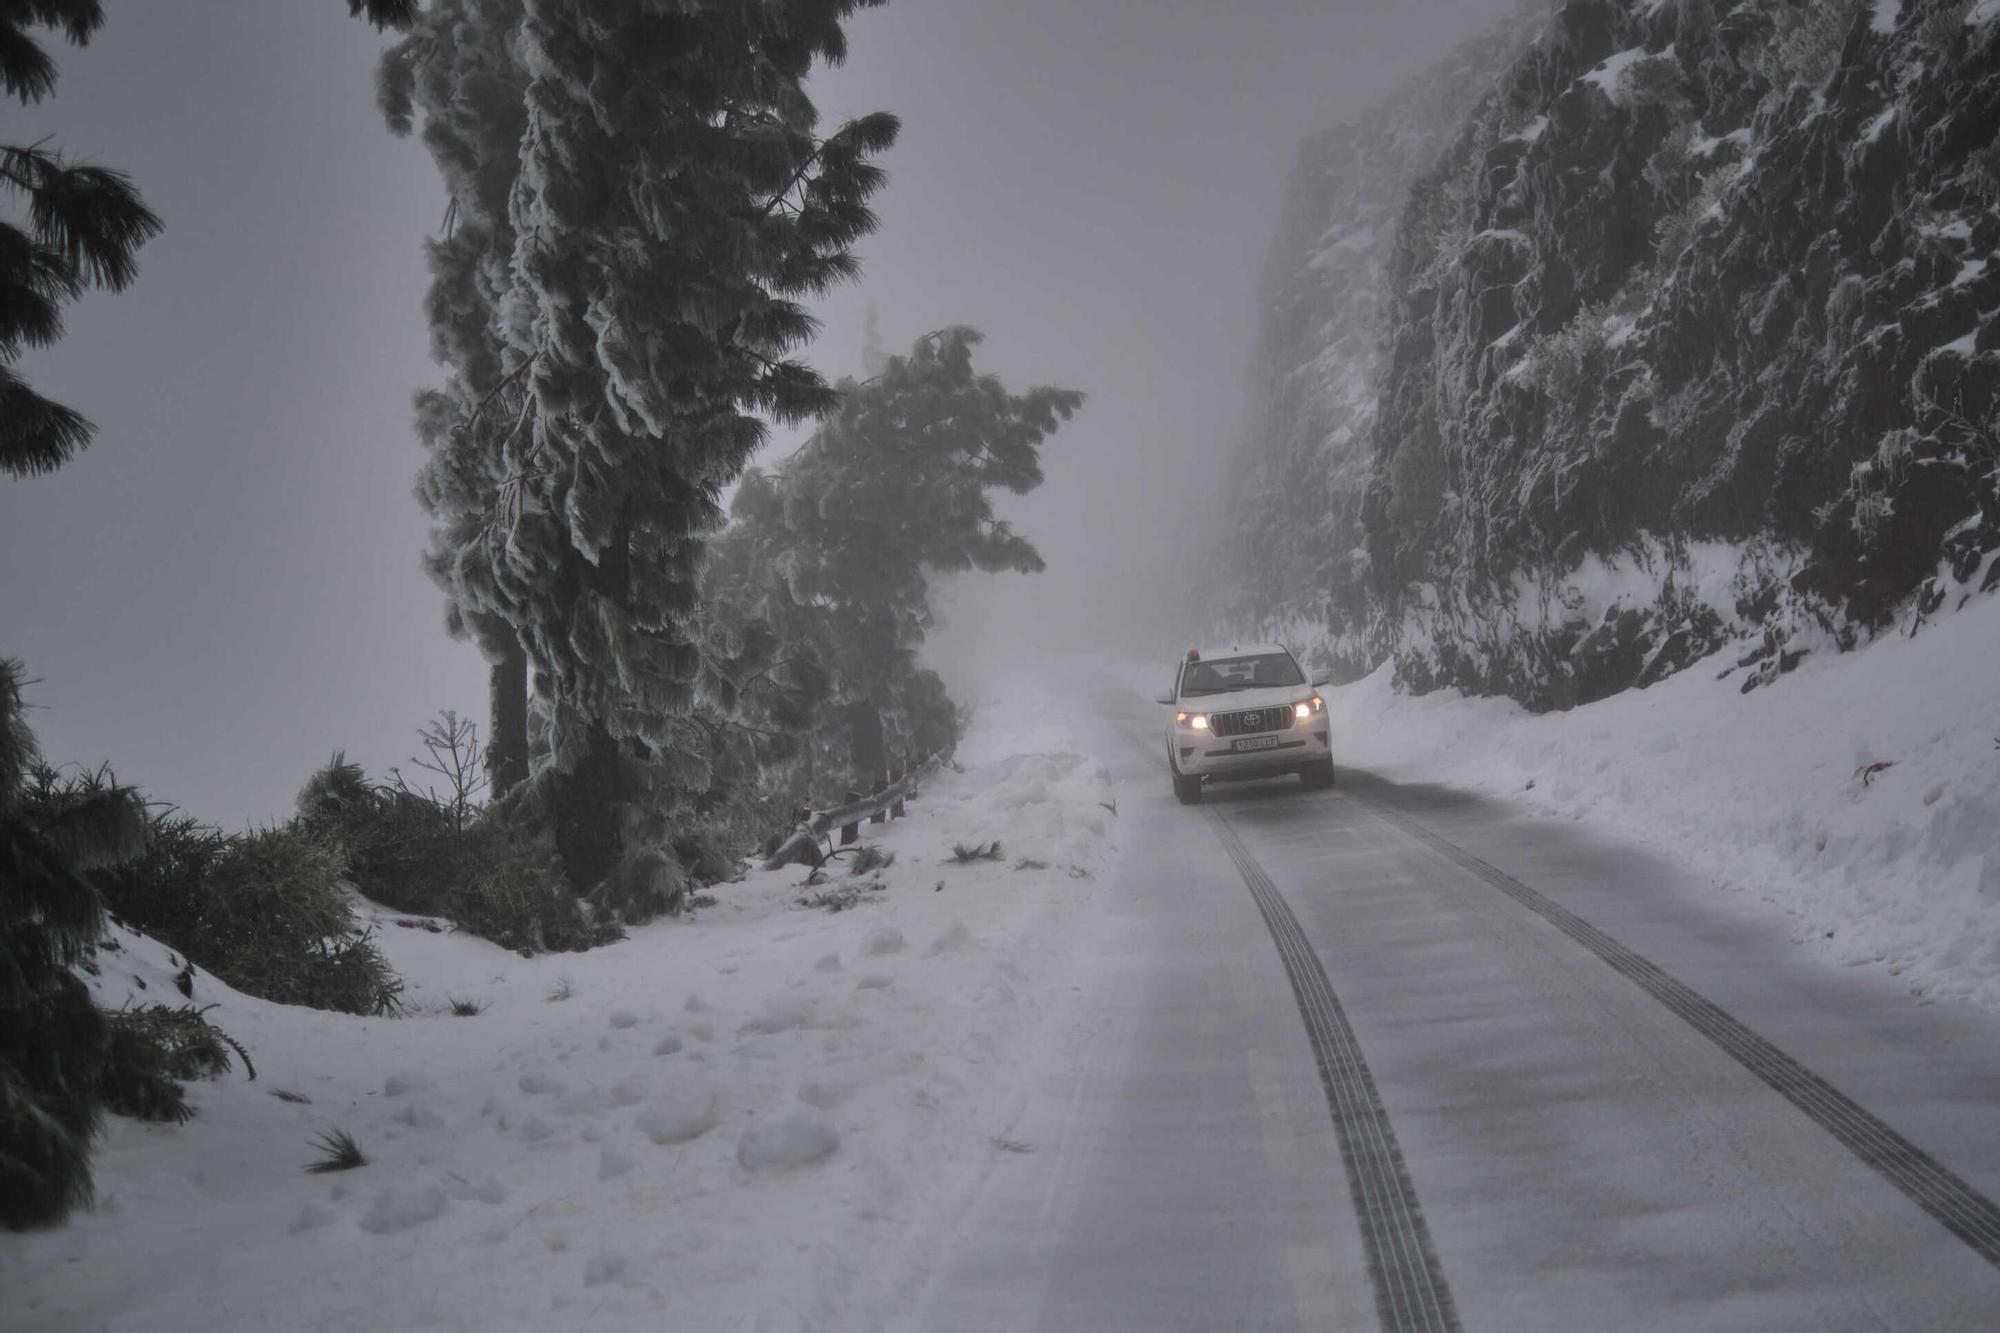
1860,793
760,1117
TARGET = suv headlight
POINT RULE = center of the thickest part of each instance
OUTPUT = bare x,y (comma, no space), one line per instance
1199,721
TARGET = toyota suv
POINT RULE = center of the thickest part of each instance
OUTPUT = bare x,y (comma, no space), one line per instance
1246,713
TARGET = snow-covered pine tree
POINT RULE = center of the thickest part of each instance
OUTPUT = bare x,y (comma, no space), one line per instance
674,201
385,13
458,66
83,227
835,548
52,1038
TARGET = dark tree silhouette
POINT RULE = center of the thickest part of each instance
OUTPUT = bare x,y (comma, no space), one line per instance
79,227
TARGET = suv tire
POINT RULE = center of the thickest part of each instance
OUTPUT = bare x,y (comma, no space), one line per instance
1318,776
1186,790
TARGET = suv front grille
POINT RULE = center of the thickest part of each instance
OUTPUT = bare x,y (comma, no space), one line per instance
1252,722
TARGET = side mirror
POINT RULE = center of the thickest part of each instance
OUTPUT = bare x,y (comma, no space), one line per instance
1166,699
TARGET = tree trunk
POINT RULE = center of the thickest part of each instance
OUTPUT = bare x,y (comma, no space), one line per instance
507,733
589,804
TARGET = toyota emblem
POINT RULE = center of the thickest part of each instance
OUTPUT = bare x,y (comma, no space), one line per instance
1252,719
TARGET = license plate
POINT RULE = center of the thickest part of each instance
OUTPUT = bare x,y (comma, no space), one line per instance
1254,743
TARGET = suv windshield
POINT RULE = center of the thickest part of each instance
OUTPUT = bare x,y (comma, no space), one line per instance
1224,674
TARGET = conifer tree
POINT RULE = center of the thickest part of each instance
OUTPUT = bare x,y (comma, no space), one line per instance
81,227
52,1038
673,203
458,67
834,549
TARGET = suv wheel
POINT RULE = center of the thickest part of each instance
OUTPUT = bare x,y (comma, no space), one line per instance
1186,790
1318,776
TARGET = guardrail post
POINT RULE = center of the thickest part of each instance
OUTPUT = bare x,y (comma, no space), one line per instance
850,832
896,806
881,816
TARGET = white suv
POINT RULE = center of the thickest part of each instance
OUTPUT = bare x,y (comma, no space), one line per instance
1246,713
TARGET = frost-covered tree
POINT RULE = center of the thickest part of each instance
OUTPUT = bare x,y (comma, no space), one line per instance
80,227
833,551
458,66
673,202
385,13
52,1039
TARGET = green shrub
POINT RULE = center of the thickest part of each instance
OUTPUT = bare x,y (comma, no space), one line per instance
53,833
403,849
264,911
517,897
155,1049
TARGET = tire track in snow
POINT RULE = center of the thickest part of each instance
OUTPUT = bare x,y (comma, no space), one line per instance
1411,1295
1918,1176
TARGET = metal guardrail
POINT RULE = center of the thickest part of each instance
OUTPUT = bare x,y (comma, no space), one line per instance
884,805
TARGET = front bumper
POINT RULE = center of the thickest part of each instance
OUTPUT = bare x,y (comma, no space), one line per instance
1197,754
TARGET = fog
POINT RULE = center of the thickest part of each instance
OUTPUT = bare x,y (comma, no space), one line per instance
224,588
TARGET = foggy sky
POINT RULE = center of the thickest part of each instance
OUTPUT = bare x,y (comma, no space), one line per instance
224,588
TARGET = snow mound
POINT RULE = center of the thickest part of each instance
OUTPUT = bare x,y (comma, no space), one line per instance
685,1112
790,1141
398,1209
515,1158
1860,793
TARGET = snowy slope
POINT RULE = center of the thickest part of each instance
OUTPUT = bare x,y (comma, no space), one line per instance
1767,793
756,1118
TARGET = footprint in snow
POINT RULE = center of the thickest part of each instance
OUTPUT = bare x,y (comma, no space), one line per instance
312,1217
883,940
955,937
622,1019
542,1085
418,1116
401,1085
614,1162
830,963
781,1013
628,1091
668,1045
606,1267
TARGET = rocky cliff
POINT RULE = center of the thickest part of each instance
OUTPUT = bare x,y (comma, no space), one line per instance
1689,333
1292,538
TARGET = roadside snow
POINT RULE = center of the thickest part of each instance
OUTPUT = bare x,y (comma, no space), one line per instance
755,1118
1860,793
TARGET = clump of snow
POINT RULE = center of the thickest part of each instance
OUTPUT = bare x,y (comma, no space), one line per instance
791,1140
312,1216
781,1013
398,1208
401,1085
686,1111
955,937
614,1162
882,940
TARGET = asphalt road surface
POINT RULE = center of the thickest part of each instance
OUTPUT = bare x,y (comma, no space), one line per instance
1395,1057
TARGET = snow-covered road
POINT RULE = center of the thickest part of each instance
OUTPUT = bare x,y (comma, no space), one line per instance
1587,1145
